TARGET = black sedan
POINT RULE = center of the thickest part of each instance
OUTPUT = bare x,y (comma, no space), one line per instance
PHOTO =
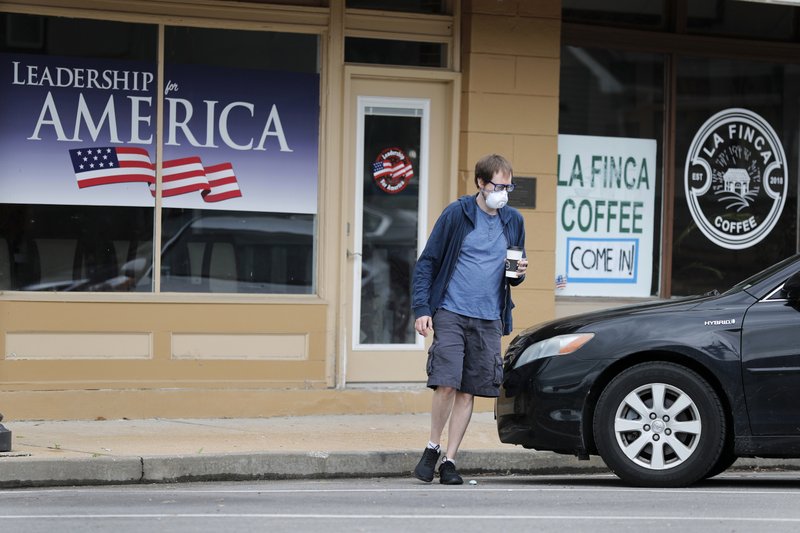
667,393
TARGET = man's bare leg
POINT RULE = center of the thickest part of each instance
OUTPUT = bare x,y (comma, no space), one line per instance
461,414
442,406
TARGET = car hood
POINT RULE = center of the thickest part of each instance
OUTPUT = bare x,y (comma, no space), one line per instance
573,323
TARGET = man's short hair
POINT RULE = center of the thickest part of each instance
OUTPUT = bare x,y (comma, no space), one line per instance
487,166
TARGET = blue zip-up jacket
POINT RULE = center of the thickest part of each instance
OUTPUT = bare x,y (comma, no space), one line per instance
437,263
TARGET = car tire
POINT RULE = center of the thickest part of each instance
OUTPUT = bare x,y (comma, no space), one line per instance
725,461
659,424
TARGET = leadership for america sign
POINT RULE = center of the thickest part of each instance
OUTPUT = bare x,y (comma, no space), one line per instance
83,132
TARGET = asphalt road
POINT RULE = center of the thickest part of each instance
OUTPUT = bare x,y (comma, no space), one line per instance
590,503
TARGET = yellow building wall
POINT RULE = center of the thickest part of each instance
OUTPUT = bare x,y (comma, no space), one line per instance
79,359
510,89
139,356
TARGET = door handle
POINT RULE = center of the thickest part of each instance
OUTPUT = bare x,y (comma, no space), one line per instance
353,254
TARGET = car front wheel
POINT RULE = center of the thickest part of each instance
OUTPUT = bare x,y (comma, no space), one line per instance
659,425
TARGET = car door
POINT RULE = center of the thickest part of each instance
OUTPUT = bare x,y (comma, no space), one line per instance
771,365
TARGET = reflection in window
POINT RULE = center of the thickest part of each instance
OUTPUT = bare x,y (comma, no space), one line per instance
232,252
74,248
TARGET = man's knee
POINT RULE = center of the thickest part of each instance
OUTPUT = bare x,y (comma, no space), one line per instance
464,397
441,390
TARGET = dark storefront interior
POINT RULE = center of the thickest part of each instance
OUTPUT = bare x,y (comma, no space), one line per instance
659,70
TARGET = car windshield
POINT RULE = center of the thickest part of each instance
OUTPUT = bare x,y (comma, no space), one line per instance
752,280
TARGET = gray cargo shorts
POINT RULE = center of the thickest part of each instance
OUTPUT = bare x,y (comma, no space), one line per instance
465,354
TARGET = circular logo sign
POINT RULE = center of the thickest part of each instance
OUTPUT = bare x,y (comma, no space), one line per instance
735,180
392,170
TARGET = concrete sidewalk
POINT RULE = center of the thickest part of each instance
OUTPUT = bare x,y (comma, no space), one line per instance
48,453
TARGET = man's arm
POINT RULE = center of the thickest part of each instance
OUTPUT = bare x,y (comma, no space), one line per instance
427,268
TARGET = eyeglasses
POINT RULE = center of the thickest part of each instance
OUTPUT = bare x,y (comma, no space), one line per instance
500,186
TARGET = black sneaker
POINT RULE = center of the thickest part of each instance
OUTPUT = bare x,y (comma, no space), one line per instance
427,465
448,474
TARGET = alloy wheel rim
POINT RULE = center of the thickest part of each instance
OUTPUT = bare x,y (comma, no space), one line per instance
657,426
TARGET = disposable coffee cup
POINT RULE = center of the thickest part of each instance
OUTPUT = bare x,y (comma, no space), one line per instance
513,255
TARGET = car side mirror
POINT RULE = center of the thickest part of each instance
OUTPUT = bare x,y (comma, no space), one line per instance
791,288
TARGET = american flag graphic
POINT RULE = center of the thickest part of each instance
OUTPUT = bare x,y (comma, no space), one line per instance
122,164
222,183
381,168
561,282
397,171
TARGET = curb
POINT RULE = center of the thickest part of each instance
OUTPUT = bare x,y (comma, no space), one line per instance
20,471
29,472
323,465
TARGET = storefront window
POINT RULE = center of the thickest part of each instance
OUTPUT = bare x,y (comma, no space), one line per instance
388,52
609,197
650,14
732,133
238,175
69,86
258,50
736,155
240,161
412,6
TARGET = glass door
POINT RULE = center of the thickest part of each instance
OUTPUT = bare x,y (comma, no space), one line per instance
400,135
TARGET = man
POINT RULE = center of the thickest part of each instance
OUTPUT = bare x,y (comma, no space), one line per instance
460,286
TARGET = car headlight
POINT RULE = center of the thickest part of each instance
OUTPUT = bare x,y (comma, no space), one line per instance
560,345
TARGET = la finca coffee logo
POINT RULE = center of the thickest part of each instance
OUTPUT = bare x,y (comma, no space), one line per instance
736,178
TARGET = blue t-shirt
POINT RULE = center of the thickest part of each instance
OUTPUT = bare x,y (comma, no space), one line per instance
475,288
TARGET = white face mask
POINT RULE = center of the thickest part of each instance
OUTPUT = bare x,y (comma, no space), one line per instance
497,199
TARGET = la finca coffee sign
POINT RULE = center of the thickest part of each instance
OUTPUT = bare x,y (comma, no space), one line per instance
736,178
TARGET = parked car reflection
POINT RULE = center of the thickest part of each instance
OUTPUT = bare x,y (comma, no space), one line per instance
218,252
238,253
389,250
